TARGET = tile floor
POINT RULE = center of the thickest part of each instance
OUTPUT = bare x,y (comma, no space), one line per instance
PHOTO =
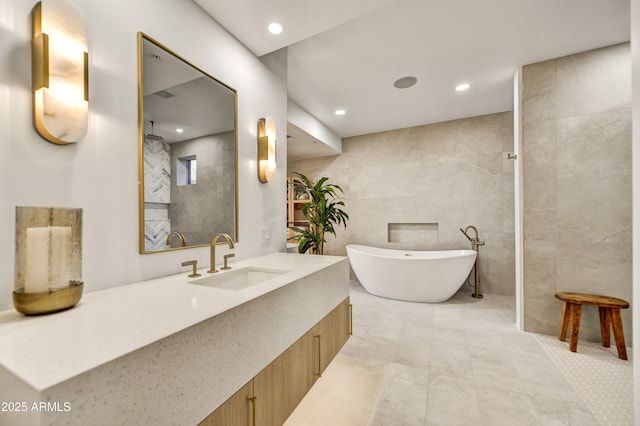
460,363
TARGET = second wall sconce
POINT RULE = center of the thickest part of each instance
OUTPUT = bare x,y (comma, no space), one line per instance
59,64
266,149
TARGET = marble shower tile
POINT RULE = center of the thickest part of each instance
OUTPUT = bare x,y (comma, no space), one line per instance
540,270
606,72
539,91
542,315
597,145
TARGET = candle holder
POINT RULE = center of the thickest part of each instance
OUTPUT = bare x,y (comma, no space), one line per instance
48,268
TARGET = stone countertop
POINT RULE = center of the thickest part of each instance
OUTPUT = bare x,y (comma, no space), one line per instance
46,350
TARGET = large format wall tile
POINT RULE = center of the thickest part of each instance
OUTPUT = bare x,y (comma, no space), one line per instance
448,175
539,92
394,180
577,184
594,81
384,148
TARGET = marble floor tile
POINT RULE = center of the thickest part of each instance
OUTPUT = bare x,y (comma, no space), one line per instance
402,398
462,362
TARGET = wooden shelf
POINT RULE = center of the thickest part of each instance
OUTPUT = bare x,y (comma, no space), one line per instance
294,207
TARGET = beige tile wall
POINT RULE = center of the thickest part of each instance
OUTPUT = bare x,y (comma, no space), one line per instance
577,184
454,174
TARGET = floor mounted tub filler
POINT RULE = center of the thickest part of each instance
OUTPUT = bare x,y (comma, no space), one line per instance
413,276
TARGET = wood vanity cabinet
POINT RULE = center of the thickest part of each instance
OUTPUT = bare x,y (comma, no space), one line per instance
279,387
334,332
300,370
236,410
260,400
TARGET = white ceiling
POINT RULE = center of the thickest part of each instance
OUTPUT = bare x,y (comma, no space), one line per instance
177,95
347,53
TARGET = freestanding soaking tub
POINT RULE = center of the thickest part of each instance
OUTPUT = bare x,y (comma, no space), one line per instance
414,276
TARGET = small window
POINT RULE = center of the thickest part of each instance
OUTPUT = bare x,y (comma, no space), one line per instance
187,171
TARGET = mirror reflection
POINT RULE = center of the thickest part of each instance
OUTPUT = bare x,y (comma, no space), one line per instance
187,152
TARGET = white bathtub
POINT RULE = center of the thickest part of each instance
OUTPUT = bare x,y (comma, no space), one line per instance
414,276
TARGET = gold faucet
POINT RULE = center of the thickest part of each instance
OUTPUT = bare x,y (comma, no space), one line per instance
214,240
183,241
194,264
476,242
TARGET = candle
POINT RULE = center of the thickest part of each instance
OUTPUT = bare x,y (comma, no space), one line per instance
59,256
36,275
48,258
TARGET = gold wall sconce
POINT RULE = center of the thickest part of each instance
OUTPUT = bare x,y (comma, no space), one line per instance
59,61
266,149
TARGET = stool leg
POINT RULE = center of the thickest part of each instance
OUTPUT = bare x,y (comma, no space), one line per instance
618,333
605,321
576,310
564,320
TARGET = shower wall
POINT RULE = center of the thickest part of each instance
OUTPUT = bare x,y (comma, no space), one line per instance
577,184
215,158
414,188
157,194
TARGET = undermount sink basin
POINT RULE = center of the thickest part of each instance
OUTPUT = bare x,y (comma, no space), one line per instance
239,279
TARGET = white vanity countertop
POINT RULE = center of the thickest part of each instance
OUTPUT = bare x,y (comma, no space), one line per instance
46,350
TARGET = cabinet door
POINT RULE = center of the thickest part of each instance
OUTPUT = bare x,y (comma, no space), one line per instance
268,389
300,366
236,411
334,332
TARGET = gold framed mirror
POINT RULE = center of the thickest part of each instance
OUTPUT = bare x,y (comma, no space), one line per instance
187,152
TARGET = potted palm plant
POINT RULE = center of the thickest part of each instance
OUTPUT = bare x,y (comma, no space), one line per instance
324,211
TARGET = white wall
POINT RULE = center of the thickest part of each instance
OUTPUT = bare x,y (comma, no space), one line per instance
99,174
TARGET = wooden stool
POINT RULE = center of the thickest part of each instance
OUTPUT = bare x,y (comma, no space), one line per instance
609,308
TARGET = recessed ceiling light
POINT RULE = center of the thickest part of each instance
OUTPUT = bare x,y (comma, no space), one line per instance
405,82
340,112
179,130
462,87
276,28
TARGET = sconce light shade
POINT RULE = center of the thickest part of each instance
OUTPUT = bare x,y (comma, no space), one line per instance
266,149
59,72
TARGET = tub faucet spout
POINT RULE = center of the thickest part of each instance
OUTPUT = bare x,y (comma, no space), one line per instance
466,235
475,243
